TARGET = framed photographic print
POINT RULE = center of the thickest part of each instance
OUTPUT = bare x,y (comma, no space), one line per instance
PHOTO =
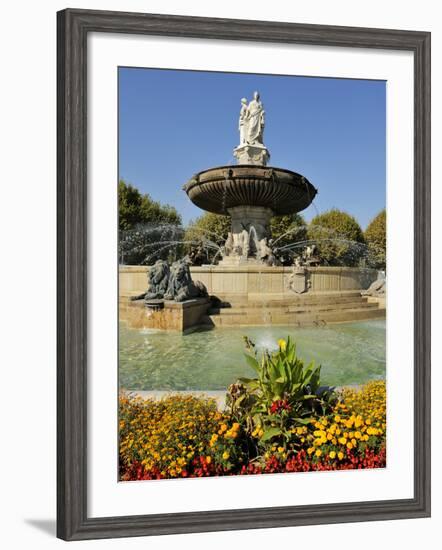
243,274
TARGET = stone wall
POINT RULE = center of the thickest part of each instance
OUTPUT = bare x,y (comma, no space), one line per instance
174,316
255,282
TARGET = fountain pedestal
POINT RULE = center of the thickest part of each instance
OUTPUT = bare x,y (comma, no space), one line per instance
250,194
252,154
248,239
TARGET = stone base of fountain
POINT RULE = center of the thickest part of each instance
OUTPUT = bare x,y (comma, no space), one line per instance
257,295
256,154
248,241
254,279
178,316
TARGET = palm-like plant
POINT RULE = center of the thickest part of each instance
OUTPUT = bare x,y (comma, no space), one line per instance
285,394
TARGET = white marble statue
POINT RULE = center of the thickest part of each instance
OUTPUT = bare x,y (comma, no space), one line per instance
251,148
251,121
243,122
229,244
255,121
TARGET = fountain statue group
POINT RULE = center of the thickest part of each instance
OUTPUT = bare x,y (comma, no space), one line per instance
251,121
251,148
172,283
251,192
246,243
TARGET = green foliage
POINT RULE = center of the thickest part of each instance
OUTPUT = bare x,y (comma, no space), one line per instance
284,395
376,238
144,225
211,226
295,227
205,229
135,209
338,237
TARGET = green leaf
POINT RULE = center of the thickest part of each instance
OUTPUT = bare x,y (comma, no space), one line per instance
303,421
271,432
240,399
252,363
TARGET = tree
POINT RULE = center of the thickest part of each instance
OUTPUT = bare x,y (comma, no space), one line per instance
376,238
148,230
210,231
135,209
287,230
338,237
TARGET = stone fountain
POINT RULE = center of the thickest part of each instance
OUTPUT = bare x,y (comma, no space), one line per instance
248,285
251,192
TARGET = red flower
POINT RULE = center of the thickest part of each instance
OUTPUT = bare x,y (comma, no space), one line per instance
279,406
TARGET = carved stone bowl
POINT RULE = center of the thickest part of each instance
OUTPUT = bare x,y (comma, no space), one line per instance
219,189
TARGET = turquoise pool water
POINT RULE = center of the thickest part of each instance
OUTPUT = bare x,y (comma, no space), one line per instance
350,353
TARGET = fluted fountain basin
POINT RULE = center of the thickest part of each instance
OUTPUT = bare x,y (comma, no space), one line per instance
219,189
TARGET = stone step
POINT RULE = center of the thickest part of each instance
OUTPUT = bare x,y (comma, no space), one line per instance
332,307
301,300
289,308
297,319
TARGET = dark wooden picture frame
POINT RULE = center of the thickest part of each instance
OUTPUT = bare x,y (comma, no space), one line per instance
73,28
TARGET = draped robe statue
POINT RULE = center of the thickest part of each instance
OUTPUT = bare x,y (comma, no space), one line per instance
243,122
251,148
255,121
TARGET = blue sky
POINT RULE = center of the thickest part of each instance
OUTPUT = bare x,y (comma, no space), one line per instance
173,124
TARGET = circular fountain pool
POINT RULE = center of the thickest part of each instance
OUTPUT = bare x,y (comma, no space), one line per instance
350,353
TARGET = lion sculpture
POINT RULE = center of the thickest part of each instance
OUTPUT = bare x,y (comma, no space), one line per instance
181,287
158,279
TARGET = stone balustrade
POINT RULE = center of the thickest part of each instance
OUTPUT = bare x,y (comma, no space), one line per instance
256,282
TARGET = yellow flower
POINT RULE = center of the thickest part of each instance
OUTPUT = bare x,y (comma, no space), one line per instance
280,449
340,455
208,459
318,452
282,344
342,440
226,455
332,455
349,445
310,450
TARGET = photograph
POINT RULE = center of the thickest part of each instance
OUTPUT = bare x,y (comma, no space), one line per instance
252,269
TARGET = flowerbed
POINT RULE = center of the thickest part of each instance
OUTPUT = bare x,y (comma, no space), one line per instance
281,421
